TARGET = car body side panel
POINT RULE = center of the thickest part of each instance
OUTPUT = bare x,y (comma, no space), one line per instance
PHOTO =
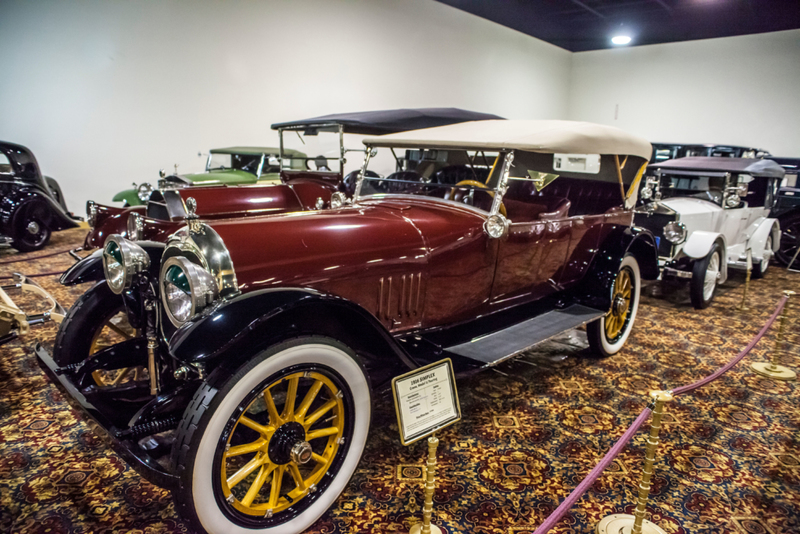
762,228
15,195
699,243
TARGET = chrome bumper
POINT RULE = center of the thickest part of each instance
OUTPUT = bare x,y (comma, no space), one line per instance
677,273
13,321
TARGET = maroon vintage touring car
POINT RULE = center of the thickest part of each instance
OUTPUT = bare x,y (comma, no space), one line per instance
300,190
248,350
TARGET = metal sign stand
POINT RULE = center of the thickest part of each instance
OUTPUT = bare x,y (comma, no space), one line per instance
430,486
426,401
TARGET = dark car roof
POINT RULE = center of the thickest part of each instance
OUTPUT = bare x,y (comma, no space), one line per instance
254,151
792,165
22,161
754,167
386,121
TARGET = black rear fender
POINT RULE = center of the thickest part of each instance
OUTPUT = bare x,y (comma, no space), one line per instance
595,289
90,268
240,328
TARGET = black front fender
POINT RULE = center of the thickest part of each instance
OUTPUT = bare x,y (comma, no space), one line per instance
90,268
595,289
239,328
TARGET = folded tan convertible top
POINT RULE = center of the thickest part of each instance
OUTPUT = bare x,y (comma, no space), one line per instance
549,136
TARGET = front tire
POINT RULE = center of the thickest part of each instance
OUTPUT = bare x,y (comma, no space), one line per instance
253,457
608,334
96,320
705,274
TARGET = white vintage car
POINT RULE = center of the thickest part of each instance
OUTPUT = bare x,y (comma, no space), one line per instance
704,210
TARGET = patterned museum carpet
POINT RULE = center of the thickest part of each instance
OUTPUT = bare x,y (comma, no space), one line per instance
729,463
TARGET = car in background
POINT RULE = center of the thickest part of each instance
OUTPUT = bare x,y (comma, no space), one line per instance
787,211
224,166
710,214
665,151
31,205
254,346
299,188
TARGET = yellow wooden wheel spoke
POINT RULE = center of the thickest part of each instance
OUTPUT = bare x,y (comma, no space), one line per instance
322,410
261,429
291,397
122,374
321,433
309,398
118,330
275,490
298,478
238,450
319,459
243,473
256,486
274,418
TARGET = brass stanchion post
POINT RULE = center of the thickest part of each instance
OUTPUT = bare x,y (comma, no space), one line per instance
637,524
773,369
743,306
430,485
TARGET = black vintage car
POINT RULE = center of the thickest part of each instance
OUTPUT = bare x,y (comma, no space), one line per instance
31,205
787,211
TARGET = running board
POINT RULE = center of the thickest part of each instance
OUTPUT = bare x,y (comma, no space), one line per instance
492,349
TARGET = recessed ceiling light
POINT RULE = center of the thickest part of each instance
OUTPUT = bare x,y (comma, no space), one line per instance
621,40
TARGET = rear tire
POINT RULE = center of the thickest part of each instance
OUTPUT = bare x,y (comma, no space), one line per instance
232,443
30,230
705,274
760,268
608,334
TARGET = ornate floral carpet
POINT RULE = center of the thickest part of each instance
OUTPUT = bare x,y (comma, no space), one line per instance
729,461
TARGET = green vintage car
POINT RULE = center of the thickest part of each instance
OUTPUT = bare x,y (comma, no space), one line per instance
224,166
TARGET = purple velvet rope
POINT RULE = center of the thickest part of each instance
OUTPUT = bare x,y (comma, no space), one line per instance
745,352
578,492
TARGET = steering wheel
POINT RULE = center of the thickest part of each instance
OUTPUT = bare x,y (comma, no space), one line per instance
452,194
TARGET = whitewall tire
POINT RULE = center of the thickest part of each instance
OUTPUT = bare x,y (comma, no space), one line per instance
608,334
273,448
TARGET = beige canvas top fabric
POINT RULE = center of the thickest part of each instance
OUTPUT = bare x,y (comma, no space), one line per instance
549,136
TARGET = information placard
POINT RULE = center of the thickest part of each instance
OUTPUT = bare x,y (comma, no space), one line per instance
425,400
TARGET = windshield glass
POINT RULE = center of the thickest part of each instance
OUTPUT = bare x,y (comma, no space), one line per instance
242,162
469,177
709,188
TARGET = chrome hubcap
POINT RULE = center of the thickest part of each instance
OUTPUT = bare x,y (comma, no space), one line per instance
33,228
620,306
301,452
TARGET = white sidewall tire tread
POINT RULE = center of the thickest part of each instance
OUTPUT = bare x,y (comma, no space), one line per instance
208,512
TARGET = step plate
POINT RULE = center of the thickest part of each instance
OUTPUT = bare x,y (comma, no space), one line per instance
498,346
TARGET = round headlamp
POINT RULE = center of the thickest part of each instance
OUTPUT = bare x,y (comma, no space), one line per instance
135,226
91,212
122,259
143,191
496,226
675,232
186,288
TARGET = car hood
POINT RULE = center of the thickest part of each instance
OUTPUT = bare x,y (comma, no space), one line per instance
229,176
341,251
690,206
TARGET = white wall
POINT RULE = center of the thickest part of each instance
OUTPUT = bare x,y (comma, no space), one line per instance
738,90
106,93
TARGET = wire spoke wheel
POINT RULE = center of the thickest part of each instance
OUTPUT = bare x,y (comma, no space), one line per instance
282,444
